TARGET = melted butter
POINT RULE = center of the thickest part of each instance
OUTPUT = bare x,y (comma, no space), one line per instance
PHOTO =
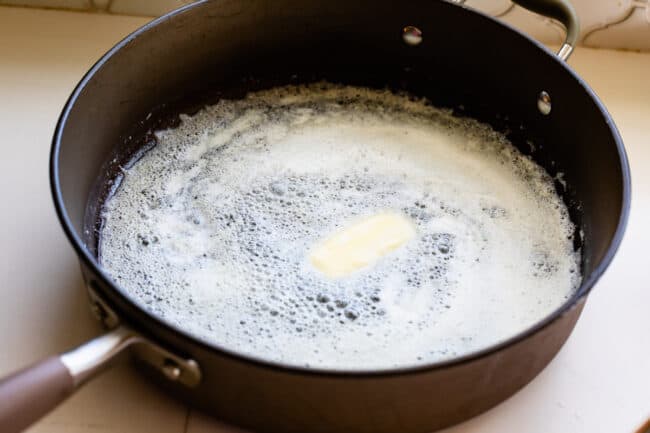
444,237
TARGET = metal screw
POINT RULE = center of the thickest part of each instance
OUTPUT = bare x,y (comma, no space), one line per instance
544,103
171,370
412,35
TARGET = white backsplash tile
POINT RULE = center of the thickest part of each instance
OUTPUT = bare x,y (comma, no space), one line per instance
631,31
491,7
623,24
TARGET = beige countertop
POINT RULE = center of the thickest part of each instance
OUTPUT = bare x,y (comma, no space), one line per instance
599,382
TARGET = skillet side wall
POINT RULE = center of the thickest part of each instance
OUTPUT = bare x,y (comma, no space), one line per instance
465,58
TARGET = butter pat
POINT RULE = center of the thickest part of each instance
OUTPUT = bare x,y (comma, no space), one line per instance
361,244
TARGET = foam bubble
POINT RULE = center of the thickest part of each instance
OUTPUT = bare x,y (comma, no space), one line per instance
211,229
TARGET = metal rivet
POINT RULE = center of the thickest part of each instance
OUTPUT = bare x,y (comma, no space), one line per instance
544,103
171,369
97,311
412,35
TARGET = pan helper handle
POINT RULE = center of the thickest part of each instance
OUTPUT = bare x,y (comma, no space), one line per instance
29,394
563,11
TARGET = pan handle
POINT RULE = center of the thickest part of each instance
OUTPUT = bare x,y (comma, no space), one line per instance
563,11
29,394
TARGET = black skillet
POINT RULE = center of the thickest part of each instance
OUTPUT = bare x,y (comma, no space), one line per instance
456,57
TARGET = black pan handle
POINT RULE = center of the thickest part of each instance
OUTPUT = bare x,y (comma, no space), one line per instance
563,11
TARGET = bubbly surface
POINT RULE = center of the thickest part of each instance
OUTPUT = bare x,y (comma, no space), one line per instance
211,230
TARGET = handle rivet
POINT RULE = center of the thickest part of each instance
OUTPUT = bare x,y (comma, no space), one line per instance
97,311
544,103
412,35
171,370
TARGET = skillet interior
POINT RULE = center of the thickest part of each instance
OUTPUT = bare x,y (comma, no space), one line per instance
176,66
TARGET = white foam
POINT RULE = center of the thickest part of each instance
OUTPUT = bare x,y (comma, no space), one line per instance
211,229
